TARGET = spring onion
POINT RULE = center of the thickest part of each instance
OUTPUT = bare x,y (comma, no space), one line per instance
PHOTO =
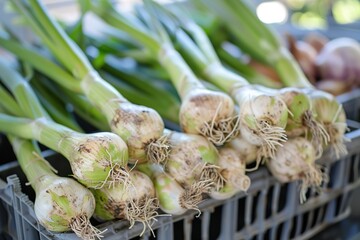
202,111
233,170
96,159
261,43
296,161
193,160
61,204
173,198
139,126
135,202
263,116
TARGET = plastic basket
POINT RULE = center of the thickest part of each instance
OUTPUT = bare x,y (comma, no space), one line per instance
269,210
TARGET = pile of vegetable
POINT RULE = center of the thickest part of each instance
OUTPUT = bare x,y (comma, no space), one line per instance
184,121
330,64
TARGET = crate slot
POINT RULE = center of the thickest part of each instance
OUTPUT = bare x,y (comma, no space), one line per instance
253,206
336,174
279,231
282,197
344,202
355,167
270,209
273,232
241,210
196,227
320,215
179,230
188,227
293,227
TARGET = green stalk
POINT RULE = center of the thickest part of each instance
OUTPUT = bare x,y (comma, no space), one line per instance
159,99
54,105
81,104
22,92
121,47
41,63
11,106
27,100
28,154
246,71
258,40
166,55
138,31
41,129
61,45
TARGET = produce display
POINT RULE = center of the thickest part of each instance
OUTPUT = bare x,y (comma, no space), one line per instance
184,121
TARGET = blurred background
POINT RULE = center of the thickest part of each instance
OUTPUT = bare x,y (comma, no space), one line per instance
307,14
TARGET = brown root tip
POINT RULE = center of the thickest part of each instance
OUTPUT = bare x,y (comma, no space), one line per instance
158,150
272,136
83,229
117,175
319,135
193,195
221,131
313,178
213,173
143,210
337,141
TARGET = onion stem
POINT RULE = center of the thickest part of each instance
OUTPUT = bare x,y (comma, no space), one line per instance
96,160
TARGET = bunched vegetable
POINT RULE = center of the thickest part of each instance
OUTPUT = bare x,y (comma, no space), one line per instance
205,112
96,159
262,116
139,126
261,43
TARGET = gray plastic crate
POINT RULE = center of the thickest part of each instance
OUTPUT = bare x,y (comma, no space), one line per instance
269,210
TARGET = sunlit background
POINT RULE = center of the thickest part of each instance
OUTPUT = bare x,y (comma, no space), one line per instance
310,14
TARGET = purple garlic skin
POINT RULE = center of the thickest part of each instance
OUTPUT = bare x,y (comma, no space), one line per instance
339,59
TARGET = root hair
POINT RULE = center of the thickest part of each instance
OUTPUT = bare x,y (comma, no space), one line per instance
158,151
220,131
319,135
142,210
84,229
